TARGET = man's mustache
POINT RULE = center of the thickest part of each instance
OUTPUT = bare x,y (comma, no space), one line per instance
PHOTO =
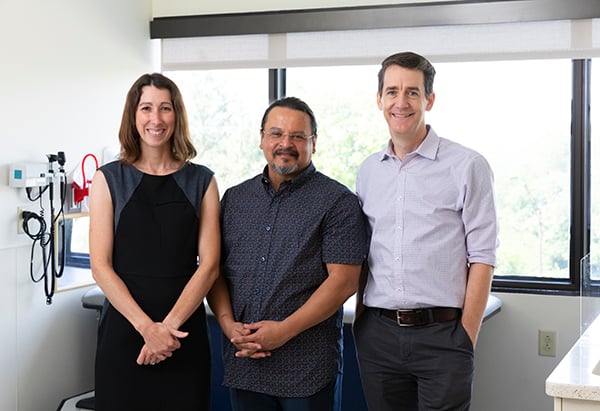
287,151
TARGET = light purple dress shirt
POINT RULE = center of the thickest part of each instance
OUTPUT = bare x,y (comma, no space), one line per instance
430,215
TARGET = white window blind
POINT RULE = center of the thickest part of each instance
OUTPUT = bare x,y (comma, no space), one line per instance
499,41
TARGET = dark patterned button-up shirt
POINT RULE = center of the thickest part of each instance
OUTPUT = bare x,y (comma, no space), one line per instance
275,249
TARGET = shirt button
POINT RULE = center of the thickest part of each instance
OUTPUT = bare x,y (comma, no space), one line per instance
263,259
268,228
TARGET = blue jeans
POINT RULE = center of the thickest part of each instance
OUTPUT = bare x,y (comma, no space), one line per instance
328,399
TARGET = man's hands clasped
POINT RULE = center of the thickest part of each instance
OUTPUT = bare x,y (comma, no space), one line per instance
258,340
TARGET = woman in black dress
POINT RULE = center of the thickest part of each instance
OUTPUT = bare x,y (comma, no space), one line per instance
154,252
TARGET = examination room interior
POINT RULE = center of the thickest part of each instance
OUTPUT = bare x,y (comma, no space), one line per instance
66,66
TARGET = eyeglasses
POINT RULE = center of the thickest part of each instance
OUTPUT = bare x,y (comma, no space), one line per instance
296,137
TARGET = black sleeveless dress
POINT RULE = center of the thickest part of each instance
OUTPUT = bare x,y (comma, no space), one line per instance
156,223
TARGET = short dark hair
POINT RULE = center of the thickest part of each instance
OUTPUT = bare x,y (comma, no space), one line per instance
181,141
293,103
409,60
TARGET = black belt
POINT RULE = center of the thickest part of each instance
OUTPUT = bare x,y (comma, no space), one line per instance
420,316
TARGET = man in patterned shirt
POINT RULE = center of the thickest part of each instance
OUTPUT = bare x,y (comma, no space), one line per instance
293,244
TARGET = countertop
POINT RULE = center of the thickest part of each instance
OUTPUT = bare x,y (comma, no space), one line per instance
574,377
94,299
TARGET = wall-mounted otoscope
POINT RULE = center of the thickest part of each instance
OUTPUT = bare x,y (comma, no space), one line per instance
46,237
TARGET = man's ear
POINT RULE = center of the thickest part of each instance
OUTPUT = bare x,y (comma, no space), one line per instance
430,101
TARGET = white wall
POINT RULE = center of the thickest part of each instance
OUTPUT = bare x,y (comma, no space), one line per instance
65,67
163,8
509,373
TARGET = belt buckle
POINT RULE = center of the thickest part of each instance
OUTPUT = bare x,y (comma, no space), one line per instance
399,320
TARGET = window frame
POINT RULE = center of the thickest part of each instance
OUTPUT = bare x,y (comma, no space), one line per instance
580,196
439,14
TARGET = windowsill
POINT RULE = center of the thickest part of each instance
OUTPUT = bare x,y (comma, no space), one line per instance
75,277
94,298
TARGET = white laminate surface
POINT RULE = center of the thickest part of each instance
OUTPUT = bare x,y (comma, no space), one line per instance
574,376
94,298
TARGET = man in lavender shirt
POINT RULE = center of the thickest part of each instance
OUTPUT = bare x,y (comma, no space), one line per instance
432,218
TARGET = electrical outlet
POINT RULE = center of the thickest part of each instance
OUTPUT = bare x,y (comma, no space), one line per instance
547,343
20,220
20,210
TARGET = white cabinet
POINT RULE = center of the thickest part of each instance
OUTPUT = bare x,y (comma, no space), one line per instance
569,404
575,382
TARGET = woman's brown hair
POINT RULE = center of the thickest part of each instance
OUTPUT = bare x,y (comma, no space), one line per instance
181,141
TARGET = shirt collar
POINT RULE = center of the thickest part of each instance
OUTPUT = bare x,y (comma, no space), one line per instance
428,147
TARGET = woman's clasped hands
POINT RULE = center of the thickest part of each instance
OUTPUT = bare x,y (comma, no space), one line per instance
160,341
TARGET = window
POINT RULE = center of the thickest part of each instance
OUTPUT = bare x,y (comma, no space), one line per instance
76,251
516,113
224,111
350,127
501,109
542,167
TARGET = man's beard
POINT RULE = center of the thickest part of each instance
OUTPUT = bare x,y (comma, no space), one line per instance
284,171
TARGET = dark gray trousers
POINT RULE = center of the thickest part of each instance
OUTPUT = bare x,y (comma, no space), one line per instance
413,368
